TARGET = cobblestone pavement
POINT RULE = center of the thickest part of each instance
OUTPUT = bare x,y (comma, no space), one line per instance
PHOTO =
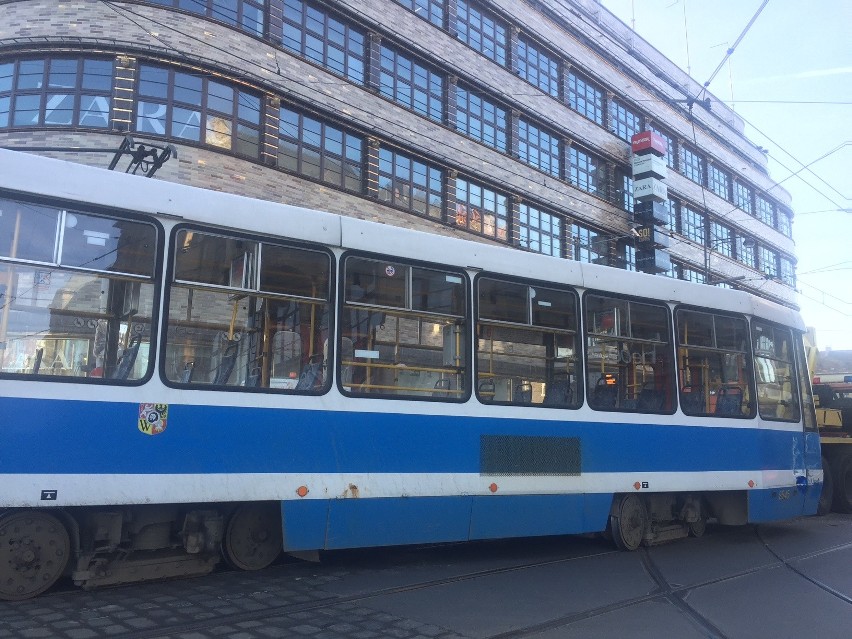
781,580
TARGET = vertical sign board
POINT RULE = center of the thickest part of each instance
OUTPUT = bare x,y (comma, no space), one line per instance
650,195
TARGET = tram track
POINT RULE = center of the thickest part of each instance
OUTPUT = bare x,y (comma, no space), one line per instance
663,591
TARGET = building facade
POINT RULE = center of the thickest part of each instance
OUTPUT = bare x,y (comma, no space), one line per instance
506,121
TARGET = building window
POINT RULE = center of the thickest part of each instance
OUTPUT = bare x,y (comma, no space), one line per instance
199,109
744,197
691,275
719,181
56,92
481,119
628,256
430,10
785,224
482,210
538,148
624,189
673,207
671,151
538,67
787,272
691,164
319,150
692,224
765,211
721,239
409,184
481,31
585,170
314,34
248,15
539,231
624,122
411,84
768,261
585,98
745,251
587,245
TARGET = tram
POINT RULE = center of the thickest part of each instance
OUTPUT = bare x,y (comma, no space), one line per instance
187,375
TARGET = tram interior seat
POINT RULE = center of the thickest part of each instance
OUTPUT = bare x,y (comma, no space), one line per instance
443,387
311,375
186,374
651,399
605,395
558,393
729,400
226,364
128,358
692,400
523,393
486,390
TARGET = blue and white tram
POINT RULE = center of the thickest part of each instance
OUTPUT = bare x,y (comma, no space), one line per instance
187,374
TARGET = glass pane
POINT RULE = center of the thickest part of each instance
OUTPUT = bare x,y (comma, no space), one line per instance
554,309
27,231
291,271
503,301
30,74
97,75
212,259
437,292
109,245
376,282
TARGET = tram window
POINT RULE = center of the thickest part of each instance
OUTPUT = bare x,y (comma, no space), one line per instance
777,384
247,314
402,330
526,349
629,363
714,365
76,294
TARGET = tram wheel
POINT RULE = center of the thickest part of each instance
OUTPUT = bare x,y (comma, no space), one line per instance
34,551
253,539
826,496
629,523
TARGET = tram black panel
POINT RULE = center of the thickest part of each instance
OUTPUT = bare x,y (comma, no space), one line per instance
527,455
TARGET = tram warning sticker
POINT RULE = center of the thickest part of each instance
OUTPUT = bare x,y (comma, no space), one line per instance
152,418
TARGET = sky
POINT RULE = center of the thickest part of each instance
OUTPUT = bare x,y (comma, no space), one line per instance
790,78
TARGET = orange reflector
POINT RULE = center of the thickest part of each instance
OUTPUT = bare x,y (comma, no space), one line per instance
301,491
751,483
637,485
493,488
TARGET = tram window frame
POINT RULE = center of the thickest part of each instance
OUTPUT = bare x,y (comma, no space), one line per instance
767,363
102,342
610,390
370,331
286,352
530,336
707,397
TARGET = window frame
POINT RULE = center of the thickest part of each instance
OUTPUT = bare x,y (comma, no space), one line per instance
464,321
530,325
236,293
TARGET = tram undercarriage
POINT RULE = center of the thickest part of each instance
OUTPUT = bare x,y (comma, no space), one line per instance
101,547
